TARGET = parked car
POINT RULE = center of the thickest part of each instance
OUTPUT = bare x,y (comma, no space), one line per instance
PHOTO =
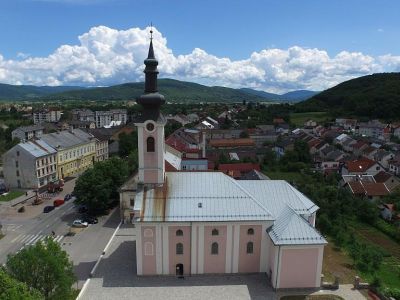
58,202
48,209
80,223
90,219
67,197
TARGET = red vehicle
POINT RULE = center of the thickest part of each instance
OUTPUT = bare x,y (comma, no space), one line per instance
58,202
55,186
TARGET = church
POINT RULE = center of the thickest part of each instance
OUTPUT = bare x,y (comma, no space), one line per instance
189,223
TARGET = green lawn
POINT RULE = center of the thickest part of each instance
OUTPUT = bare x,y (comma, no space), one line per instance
11,195
299,118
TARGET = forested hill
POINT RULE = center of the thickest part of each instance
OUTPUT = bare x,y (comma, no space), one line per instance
372,96
173,90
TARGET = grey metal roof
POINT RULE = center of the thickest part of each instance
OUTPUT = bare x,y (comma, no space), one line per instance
292,229
30,128
275,194
221,199
37,148
66,139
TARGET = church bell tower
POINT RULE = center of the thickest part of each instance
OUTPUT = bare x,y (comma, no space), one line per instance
150,126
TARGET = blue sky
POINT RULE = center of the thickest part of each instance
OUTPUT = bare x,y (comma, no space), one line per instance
223,29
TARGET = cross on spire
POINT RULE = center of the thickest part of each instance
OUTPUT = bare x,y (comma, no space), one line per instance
151,30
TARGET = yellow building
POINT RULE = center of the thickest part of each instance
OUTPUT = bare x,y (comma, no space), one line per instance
76,151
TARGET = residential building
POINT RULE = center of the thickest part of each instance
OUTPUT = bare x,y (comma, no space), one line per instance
391,182
25,133
46,115
76,151
115,117
189,223
238,170
75,124
83,115
30,165
362,166
394,166
101,146
370,190
374,129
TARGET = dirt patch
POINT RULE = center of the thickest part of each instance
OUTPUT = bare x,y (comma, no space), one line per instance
337,263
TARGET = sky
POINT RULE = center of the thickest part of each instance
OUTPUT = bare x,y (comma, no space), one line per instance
270,45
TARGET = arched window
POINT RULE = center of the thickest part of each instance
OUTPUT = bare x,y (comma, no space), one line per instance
215,232
250,247
150,144
148,248
179,248
214,248
250,231
179,232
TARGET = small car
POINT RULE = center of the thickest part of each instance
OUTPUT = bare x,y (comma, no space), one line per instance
48,209
67,197
58,202
90,219
79,223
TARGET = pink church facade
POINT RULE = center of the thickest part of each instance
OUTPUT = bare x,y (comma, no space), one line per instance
286,266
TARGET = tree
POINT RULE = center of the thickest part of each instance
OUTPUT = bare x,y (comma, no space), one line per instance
44,267
10,288
97,188
127,143
303,151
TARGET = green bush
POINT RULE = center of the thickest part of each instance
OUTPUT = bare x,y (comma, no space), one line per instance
392,292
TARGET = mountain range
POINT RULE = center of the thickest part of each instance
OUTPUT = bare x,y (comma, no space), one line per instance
174,91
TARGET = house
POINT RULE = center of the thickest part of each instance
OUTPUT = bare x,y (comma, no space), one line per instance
231,143
383,157
189,223
361,166
394,166
347,124
310,124
359,147
391,182
369,152
284,145
370,190
238,170
26,133
30,165
180,118
193,117
387,211
396,132
74,124
282,128
374,129
76,151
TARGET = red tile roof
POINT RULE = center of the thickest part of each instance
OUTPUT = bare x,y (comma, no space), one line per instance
231,142
368,188
360,165
382,176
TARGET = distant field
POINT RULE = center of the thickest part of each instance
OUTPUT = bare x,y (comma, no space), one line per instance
11,195
299,118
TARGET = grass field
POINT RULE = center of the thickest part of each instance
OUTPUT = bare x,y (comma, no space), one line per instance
299,118
11,195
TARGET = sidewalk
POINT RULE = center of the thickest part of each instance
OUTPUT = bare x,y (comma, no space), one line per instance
346,291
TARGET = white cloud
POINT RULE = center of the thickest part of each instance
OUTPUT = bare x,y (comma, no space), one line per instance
106,56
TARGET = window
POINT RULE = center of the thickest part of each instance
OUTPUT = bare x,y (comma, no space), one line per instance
17,173
179,232
250,247
215,232
16,163
179,248
250,231
150,144
214,248
148,248
17,153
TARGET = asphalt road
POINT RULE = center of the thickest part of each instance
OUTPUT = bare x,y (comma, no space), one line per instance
84,248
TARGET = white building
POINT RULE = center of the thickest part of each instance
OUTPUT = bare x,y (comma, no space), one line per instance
49,116
25,133
30,164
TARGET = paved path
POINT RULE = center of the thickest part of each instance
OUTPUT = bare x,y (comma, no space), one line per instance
345,291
